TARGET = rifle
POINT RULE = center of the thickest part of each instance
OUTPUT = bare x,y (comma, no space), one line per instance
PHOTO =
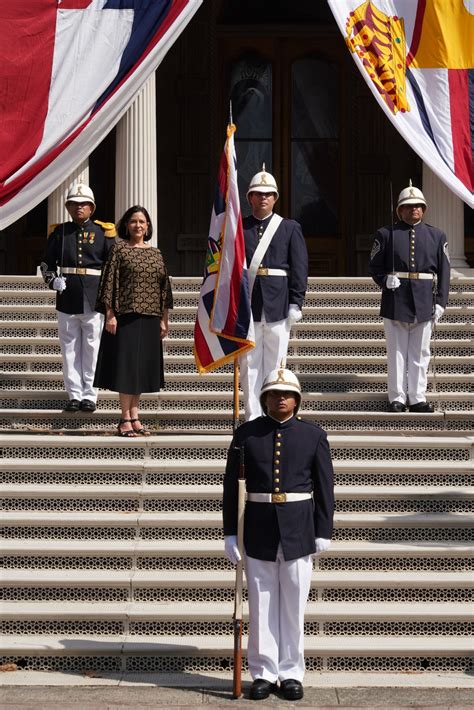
239,580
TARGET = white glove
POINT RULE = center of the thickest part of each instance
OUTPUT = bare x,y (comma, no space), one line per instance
231,549
294,314
438,314
321,545
59,284
392,282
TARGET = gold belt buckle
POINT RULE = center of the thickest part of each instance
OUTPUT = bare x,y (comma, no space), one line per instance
81,271
412,274
278,497
262,271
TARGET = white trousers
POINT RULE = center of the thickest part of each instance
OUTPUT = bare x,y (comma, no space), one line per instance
278,592
271,346
79,336
408,358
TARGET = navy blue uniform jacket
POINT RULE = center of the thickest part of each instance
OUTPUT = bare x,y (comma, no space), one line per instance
305,465
414,298
86,247
287,250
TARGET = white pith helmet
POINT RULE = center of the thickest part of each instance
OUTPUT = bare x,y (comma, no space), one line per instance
80,192
411,196
284,381
263,182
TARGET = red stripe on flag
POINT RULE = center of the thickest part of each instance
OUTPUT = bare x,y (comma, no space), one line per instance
234,300
75,4
28,32
417,30
200,346
460,127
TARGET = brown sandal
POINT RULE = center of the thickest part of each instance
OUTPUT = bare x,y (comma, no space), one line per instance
141,431
128,433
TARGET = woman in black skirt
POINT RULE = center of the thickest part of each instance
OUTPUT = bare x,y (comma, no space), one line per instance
135,295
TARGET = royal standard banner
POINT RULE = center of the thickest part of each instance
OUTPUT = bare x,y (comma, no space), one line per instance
417,57
224,324
69,69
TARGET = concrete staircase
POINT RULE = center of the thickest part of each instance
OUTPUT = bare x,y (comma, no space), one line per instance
113,554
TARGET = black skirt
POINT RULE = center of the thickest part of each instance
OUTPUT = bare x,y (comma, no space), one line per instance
131,361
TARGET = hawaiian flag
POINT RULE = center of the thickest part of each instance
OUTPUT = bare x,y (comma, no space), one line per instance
69,69
224,324
417,57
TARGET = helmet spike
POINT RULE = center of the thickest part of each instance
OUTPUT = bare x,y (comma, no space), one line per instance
263,168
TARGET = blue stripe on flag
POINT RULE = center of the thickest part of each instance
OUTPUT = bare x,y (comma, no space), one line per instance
147,18
244,311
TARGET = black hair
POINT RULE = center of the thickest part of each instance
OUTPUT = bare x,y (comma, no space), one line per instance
124,220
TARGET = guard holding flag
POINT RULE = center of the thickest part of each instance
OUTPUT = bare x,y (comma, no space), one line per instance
410,263
288,520
72,266
277,262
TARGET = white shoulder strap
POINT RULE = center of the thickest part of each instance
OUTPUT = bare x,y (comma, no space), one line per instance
261,249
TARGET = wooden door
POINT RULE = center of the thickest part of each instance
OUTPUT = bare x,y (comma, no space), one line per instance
287,95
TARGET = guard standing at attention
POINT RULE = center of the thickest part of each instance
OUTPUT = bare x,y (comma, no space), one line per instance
72,267
410,263
288,519
277,262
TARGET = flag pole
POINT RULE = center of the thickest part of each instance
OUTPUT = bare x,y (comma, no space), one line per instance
236,405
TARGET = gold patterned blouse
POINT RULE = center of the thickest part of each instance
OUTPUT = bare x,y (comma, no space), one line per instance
134,280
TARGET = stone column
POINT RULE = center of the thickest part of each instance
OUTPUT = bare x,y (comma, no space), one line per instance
446,211
135,173
57,213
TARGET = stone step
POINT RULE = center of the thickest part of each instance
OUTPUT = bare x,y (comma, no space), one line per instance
208,497
38,422
304,348
186,314
206,556
217,402
221,579
183,449
214,492
208,386
364,587
322,611
182,369
193,283
306,332
437,474
129,502
209,526
321,619
199,653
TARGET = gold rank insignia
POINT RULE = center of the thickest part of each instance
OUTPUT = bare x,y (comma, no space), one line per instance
108,227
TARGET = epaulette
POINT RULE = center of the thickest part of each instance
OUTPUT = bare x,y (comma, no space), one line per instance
51,228
108,227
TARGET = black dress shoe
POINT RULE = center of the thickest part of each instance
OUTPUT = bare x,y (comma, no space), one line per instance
72,406
291,689
396,406
87,405
261,689
422,408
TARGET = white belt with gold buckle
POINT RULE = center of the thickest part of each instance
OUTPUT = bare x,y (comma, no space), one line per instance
412,275
263,271
80,271
277,497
